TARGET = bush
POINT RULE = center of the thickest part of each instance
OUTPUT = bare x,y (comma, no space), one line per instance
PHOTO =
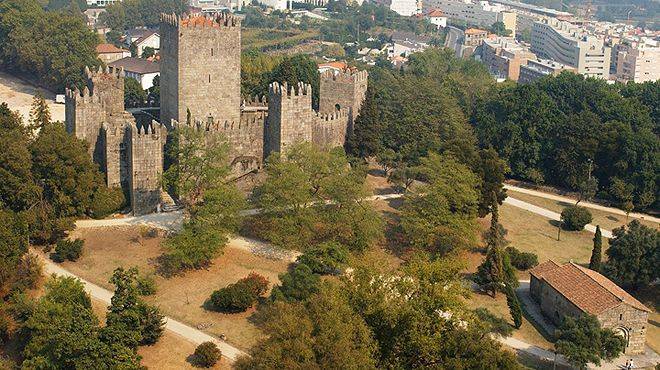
146,284
207,354
67,250
107,201
325,258
574,217
239,296
522,260
28,272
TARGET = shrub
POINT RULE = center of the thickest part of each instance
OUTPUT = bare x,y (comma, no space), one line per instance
522,260
67,250
207,354
325,258
152,324
28,272
239,296
574,217
493,323
148,232
146,284
106,201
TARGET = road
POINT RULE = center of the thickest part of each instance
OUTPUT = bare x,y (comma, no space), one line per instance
193,335
454,40
584,204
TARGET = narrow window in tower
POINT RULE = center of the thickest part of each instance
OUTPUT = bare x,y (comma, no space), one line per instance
211,51
209,78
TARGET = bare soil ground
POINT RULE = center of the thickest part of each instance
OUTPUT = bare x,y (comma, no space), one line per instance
181,297
18,96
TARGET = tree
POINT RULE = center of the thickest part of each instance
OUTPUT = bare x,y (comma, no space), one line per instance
496,272
582,340
514,306
492,171
587,189
622,192
297,285
325,258
365,140
134,96
597,251
148,52
13,246
313,196
499,28
575,217
320,332
239,296
39,113
153,93
207,354
633,255
130,321
441,216
299,68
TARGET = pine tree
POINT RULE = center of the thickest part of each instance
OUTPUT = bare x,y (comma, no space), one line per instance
514,306
596,253
40,113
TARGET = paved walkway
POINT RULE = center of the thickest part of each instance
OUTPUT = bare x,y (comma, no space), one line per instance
189,333
583,203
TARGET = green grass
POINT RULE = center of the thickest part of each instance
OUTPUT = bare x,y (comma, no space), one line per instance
269,39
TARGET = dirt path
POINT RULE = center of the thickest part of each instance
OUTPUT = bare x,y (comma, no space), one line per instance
193,335
18,96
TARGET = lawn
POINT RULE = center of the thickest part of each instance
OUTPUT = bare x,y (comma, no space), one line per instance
606,220
180,297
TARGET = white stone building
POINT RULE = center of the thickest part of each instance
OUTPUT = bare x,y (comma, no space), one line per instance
479,13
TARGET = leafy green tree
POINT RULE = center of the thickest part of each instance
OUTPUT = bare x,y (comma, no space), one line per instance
18,190
299,68
320,332
575,217
597,251
313,196
134,95
148,52
499,28
365,140
582,340
297,285
13,245
633,255
492,171
325,258
65,4
153,93
441,216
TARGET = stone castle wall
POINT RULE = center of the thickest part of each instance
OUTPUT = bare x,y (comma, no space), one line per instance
343,90
290,116
630,322
146,161
200,68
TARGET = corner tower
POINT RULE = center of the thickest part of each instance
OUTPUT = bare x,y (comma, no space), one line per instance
200,68
344,91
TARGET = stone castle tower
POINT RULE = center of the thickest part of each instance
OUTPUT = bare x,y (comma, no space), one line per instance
200,69
116,142
344,91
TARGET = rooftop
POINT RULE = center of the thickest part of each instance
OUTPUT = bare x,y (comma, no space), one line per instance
108,49
436,13
475,31
590,291
136,65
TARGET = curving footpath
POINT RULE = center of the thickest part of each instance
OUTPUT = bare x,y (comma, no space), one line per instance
187,332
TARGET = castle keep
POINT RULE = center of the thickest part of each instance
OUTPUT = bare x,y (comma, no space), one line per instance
200,86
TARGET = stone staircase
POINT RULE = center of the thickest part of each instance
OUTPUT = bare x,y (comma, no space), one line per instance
167,203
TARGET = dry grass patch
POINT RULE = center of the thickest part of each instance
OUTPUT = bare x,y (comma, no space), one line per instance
606,220
180,297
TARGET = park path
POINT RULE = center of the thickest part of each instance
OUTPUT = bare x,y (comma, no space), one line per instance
560,198
187,332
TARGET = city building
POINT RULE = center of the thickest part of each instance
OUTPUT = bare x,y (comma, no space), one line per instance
503,56
474,37
108,53
140,69
406,8
405,43
437,17
637,61
100,3
539,68
572,45
572,290
478,13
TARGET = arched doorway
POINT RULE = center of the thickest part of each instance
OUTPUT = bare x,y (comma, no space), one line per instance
624,333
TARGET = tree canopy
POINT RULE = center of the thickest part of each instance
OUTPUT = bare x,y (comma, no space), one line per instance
633,255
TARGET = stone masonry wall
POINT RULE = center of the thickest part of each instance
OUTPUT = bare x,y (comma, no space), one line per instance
345,90
207,59
330,130
290,116
630,322
555,306
146,161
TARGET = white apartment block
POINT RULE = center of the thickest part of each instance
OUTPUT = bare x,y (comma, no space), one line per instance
100,3
404,7
503,56
568,44
638,61
480,13
535,69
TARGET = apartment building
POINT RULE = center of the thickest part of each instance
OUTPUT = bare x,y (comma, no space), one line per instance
569,44
637,61
535,69
503,56
404,7
479,13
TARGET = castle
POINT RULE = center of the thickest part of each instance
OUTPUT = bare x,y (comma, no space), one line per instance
201,87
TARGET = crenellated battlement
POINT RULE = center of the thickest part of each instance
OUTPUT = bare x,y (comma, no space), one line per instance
221,20
301,89
255,101
336,115
350,76
107,72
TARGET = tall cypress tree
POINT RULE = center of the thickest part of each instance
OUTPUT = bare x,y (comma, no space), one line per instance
597,252
514,306
491,273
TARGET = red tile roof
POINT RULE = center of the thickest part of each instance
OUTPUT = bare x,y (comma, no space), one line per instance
475,31
338,65
108,49
590,291
436,13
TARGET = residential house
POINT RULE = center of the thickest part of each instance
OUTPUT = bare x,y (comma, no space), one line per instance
142,70
108,53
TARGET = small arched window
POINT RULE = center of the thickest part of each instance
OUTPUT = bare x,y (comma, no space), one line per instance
211,51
